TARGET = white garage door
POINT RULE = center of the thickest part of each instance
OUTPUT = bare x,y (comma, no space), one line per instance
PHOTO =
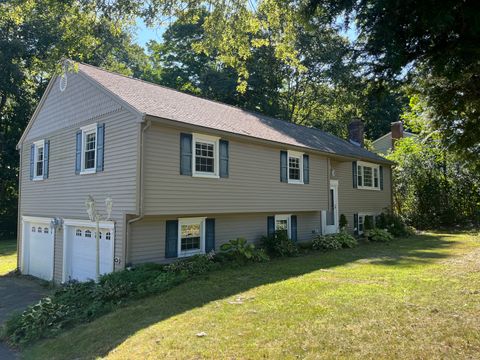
82,250
38,248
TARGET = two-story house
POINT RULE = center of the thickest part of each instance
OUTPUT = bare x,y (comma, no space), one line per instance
185,175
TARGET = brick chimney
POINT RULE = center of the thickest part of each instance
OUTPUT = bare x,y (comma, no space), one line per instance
397,132
355,132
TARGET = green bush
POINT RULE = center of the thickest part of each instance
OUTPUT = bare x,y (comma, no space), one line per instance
279,245
334,241
343,222
394,224
378,235
193,265
345,239
76,303
368,222
241,251
42,319
326,242
305,245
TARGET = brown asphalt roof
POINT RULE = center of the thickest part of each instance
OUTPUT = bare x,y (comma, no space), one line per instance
162,102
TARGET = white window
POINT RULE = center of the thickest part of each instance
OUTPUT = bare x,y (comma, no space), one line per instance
205,155
282,223
39,229
39,157
33,229
108,236
368,176
191,236
45,230
88,234
78,232
89,149
361,222
295,167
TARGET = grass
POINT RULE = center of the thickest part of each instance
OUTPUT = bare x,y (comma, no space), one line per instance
8,256
413,298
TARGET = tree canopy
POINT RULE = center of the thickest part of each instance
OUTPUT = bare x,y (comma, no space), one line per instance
288,59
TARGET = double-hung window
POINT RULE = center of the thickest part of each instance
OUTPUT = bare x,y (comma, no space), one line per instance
295,167
283,224
39,158
368,176
89,149
191,236
206,156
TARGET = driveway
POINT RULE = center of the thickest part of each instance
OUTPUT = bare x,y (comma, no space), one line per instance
16,293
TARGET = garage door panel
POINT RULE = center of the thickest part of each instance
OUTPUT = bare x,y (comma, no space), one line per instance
38,242
83,253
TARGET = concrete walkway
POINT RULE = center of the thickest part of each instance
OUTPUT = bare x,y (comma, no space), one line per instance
16,293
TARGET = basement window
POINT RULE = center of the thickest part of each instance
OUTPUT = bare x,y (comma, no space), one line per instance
191,233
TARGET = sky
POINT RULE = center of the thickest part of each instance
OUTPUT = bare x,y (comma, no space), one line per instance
145,34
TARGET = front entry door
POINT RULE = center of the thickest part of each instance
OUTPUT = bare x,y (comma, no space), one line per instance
332,213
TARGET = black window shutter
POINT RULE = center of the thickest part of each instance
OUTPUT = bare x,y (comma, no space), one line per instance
100,146
380,170
46,158
283,166
306,169
293,227
355,224
185,154
223,158
270,226
209,235
354,174
32,161
171,239
78,158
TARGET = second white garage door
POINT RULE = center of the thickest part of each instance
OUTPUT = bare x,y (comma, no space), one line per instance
81,252
37,247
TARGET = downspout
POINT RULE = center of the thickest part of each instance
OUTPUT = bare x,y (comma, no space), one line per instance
19,218
141,214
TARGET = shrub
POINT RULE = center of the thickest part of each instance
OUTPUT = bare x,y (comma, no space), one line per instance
326,242
193,265
334,241
378,235
345,239
44,318
240,251
343,222
76,302
393,223
305,245
368,222
279,245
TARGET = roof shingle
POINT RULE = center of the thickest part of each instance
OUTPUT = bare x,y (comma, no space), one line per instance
162,102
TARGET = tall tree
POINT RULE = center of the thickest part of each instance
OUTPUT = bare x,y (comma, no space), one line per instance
435,43
34,37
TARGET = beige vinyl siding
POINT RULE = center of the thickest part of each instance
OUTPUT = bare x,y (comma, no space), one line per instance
351,200
148,235
383,144
81,100
63,194
253,184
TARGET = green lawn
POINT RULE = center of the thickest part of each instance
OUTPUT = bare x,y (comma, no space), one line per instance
414,298
8,256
